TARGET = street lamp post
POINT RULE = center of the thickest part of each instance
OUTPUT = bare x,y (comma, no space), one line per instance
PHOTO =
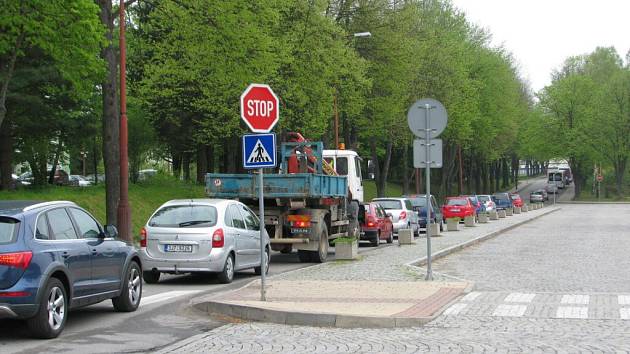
124,211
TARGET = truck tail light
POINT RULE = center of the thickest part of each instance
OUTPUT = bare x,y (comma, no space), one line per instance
218,239
403,215
299,221
17,260
143,237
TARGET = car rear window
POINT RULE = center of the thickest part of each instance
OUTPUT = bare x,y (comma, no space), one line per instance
418,202
185,216
390,204
515,197
456,202
484,198
8,230
501,196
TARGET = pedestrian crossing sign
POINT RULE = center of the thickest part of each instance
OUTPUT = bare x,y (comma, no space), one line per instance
259,150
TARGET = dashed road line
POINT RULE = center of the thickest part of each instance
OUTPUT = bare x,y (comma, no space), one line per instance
572,312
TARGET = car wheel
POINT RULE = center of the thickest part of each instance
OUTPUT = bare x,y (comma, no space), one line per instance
258,270
53,311
377,239
129,298
227,275
321,254
151,276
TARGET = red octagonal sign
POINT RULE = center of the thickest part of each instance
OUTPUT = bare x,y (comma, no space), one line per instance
259,108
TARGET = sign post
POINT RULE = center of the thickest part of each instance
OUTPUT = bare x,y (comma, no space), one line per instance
260,111
424,125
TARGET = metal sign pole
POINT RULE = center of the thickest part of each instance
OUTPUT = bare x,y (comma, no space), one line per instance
263,259
427,109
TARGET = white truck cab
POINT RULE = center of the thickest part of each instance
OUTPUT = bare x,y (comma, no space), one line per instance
347,163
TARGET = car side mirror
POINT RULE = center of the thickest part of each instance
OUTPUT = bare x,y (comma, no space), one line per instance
110,231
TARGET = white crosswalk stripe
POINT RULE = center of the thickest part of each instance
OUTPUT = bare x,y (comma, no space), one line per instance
455,309
510,310
572,312
623,299
624,313
472,296
149,300
575,299
520,297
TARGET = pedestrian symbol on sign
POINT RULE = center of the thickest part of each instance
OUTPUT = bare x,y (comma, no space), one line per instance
259,154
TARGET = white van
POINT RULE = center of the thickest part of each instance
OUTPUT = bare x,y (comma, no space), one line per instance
347,163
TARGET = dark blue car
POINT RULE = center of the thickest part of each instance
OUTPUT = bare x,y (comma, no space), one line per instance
502,200
54,257
419,202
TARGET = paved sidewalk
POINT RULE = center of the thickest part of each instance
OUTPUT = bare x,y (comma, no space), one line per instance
384,288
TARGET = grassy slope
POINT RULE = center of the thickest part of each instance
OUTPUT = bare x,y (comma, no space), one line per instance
369,190
144,198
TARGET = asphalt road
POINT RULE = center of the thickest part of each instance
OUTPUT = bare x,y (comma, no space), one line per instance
163,316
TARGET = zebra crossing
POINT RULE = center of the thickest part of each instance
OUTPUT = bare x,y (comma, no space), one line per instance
542,305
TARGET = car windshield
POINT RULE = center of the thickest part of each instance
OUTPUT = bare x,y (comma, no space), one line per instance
418,202
8,229
515,196
456,202
185,216
389,204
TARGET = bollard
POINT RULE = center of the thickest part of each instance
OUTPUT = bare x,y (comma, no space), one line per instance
469,221
452,224
525,208
502,213
517,210
494,215
483,218
540,205
509,212
405,236
534,206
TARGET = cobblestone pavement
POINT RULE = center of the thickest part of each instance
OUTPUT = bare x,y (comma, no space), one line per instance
558,284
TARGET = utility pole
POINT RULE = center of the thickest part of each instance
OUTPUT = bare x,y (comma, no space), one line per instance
124,211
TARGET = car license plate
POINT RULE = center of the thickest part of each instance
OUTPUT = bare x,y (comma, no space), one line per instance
178,248
455,210
300,231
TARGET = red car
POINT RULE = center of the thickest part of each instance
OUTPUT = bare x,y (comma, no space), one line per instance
375,224
457,207
517,201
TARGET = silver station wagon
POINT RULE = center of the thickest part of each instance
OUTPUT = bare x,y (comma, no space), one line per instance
201,235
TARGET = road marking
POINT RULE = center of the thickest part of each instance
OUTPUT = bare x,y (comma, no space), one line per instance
471,296
510,310
572,312
624,313
623,299
519,297
166,296
575,299
455,309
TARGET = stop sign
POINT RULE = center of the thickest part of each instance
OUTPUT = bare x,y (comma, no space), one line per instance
259,108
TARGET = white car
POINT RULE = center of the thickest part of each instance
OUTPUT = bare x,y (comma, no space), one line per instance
79,181
402,213
487,202
202,236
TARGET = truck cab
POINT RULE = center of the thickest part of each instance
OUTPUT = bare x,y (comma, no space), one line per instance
347,163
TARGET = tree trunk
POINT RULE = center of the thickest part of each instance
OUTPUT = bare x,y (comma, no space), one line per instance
53,170
380,172
405,170
8,75
111,117
6,155
202,163
210,159
177,164
388,157
620,170
186,165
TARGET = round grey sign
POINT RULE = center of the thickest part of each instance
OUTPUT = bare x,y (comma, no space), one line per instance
417,117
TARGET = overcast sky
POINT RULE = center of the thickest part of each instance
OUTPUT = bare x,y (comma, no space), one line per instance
541,34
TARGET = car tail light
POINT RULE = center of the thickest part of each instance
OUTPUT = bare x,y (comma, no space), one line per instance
218,239
143,237
14,293
17,260
403,215
371,222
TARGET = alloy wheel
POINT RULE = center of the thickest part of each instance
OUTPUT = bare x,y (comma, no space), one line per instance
56,308
134,286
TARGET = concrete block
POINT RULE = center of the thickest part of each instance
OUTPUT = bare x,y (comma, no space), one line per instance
435,230
405,236
540,205
469,221
509,211
452,224
502,213
348,251
517,210
483,218
311,319
525,208
534,206
494,215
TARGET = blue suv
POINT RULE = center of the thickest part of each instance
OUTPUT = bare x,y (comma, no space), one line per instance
54,257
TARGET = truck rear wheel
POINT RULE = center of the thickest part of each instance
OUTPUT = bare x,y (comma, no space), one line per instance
321,254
